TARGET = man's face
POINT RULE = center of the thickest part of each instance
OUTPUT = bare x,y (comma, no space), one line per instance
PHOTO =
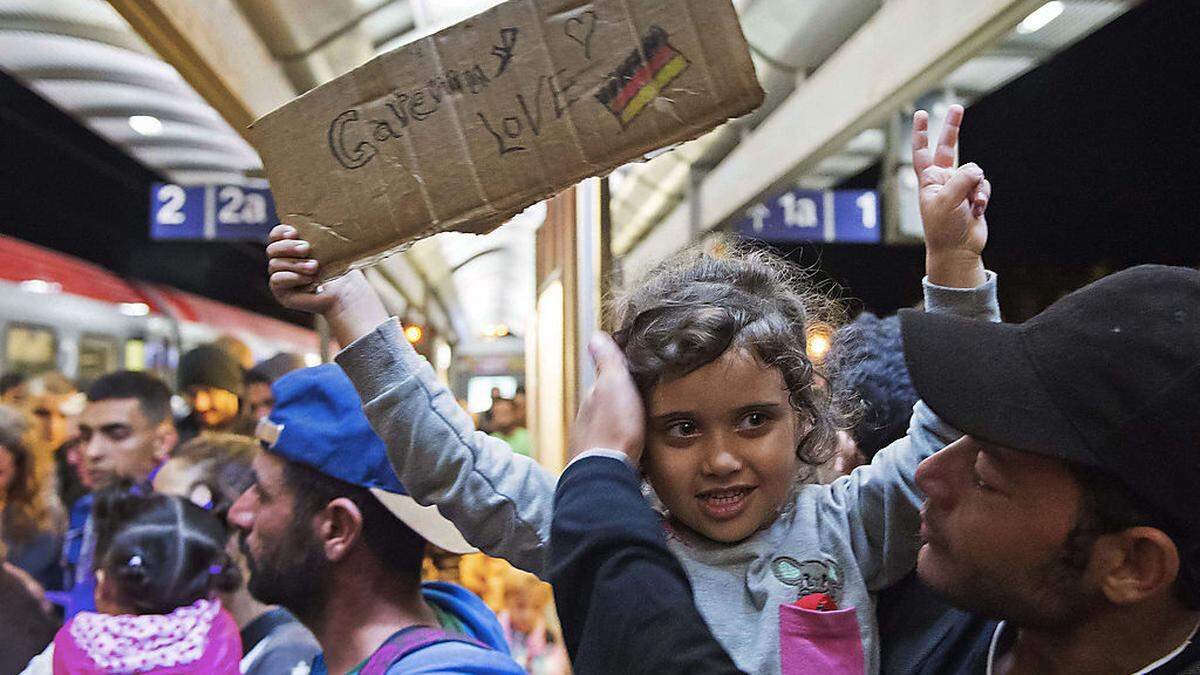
502,416
259,399
216,408
119,442
995,526
286,562
722,458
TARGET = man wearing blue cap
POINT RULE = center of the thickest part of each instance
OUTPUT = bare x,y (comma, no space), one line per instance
330,534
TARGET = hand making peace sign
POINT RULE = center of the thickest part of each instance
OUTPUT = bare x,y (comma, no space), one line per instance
953,200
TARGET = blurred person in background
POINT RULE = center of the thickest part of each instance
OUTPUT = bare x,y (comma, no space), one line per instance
126,431
329,533
508,427
70,480
161,561
29,625
485,417
520,401
30,529
236,348
54,405
527,608
211,381
866,362
211,471
259,399
13,389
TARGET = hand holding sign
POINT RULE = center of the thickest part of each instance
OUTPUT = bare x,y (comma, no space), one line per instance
953,203
348,302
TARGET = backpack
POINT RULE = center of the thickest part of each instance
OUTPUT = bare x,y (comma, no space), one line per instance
407,641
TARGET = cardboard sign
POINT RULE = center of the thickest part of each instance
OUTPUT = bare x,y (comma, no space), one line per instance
465,128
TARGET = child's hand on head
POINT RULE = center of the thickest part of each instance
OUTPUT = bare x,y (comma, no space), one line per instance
953,203
611,416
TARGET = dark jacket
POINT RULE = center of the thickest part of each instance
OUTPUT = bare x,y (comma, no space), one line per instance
28,628
623,599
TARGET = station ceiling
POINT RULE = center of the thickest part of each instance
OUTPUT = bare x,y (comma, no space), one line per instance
88,57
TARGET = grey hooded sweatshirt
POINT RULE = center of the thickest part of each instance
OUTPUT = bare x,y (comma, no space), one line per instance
847,539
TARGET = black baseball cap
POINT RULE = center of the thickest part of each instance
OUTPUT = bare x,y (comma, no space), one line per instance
1107,377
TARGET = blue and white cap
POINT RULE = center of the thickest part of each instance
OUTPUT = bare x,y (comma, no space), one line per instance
318,421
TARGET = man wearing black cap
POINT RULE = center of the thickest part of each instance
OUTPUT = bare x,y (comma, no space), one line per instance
1070,510
330,534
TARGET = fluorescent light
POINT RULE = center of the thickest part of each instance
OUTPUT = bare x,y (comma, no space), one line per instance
134,308
146,125
1041,16
40,286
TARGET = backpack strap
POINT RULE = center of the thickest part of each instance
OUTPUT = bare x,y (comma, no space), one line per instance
407,641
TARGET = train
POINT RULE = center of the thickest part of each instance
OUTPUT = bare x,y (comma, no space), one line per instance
58,312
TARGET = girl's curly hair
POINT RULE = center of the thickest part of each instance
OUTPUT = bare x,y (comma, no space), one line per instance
694,306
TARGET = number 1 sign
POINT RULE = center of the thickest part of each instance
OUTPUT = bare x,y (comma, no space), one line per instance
226,212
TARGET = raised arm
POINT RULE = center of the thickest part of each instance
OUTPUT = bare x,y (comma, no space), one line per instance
499,500
879,504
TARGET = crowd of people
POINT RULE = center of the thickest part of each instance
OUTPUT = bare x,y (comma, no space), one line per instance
943,493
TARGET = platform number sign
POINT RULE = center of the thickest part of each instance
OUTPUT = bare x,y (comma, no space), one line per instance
226,212
831,216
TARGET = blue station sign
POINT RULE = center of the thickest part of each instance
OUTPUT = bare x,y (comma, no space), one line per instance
222,212
830,216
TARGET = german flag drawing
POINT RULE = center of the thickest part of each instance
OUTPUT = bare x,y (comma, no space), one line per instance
642,76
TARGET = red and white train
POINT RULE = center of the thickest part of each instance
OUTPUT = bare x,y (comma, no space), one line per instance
59,312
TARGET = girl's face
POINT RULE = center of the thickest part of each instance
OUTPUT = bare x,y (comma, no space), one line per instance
721,446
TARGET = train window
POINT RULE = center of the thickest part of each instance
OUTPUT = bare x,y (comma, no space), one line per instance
135,354
97,356
479,390
30,348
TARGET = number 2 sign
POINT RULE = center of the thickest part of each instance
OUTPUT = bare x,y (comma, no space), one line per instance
227,212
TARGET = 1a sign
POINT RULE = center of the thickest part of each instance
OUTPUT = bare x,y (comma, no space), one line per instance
225,212
830,216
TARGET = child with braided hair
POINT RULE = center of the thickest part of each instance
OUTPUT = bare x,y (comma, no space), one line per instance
160,562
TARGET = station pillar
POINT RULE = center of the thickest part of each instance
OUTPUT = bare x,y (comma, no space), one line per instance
573,260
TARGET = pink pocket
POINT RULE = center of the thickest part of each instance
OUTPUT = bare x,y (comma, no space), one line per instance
819,642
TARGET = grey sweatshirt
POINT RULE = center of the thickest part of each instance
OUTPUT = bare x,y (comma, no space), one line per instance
847,539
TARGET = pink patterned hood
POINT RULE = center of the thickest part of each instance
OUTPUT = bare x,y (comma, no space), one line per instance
196,638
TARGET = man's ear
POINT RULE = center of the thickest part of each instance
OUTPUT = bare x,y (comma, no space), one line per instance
340,527
165,438
1134,564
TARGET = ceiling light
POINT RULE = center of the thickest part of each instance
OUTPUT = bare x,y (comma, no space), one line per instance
146,125
820,339
1041,16
134,308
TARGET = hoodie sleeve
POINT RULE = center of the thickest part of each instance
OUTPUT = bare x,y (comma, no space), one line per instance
501,501
877,507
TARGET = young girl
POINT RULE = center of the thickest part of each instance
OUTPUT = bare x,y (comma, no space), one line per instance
160,560
533,644
736,416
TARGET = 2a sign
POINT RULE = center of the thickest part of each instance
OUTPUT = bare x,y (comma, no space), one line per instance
225,212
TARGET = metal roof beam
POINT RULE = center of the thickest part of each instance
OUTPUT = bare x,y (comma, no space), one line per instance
905,49
217,51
